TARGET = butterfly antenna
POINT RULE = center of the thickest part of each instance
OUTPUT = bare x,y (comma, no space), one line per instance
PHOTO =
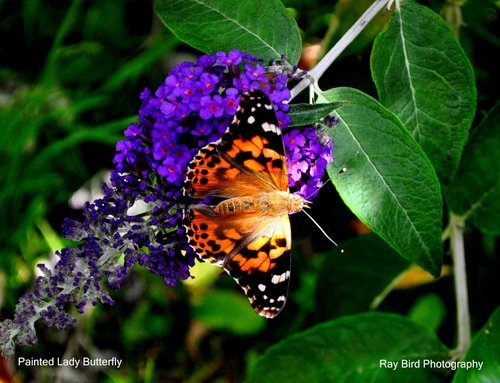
310,196
323,231
343,170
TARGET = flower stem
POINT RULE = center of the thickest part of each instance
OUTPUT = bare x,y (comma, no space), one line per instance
314,75
461,293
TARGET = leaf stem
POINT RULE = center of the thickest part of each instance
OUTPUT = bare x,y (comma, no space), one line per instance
314,75
461,293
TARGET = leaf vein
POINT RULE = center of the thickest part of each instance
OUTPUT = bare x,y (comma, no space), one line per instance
393,195
244,28
410,79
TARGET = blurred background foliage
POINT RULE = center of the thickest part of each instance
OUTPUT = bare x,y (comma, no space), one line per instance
70,77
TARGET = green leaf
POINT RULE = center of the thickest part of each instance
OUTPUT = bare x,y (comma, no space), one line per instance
357,279
352,349
307,114
389,184
485,349
475,190
423,75
263,28
228,311
429,310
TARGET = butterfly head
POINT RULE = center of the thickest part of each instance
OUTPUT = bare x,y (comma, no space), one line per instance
297,203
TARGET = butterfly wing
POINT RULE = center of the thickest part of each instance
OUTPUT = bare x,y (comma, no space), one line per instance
253,247
248,158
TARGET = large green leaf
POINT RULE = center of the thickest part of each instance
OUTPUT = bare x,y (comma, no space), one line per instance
353,349
475,191
423,75
263,28
389,184
485,349
357,279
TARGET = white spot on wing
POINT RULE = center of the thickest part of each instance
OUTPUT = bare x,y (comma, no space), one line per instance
251,120
280,278
262,287
270,128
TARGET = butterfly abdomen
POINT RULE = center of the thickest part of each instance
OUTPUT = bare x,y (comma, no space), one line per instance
272,203
237,205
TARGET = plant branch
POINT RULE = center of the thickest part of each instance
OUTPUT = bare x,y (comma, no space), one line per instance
314,75
461,293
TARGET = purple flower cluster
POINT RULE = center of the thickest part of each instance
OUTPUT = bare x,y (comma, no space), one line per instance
139,219
191,108
307,157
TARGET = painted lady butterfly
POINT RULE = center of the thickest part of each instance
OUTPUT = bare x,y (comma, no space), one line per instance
246,229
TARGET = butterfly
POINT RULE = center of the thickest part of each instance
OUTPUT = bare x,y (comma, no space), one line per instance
245,227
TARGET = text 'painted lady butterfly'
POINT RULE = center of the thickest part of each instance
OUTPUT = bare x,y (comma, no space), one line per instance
246,229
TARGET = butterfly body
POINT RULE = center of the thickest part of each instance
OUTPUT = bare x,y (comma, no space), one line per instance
244,226
271,203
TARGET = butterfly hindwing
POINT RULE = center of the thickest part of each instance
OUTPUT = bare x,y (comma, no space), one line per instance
262,268
253,249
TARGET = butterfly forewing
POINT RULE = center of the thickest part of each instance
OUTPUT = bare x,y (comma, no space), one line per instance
251,149
254,141
248,233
